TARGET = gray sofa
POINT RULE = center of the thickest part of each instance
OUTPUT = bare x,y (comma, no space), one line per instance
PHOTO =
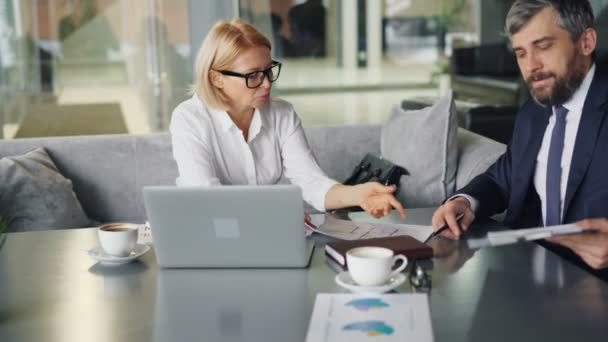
109,171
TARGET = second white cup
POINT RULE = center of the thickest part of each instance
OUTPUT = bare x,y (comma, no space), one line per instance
118,239
373,266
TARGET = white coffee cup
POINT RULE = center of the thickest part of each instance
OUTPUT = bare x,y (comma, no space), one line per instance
372,266
118,239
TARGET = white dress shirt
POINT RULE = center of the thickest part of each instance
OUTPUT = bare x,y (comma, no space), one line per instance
573,118
211,150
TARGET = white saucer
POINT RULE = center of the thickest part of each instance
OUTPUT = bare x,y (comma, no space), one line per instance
344,279
98,254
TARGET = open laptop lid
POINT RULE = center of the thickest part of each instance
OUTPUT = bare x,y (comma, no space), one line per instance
228,226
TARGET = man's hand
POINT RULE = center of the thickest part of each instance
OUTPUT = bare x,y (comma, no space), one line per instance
447,214
378,200
591,246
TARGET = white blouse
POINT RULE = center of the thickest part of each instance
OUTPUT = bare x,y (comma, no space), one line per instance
211,150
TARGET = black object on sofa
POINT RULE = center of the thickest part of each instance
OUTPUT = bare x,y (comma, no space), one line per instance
491,60
487,74
495,122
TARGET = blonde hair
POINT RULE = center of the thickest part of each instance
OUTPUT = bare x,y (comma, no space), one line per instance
222,45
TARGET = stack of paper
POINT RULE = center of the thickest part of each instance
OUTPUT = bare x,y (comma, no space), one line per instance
144,234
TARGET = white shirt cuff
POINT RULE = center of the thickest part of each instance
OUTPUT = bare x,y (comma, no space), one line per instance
318,199
473,201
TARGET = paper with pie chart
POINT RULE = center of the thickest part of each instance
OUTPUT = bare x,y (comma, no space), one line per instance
351,317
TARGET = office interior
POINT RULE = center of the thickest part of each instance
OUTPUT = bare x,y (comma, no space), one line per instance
95,67
79,67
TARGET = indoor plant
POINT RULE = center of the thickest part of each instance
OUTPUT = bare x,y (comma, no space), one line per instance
448,18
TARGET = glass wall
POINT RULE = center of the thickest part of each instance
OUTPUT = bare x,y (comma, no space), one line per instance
92,66
351,61
121,66
361,43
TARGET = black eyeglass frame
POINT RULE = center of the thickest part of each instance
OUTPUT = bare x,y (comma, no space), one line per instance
265,73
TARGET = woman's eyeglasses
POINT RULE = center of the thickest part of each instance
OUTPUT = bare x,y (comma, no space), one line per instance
256,78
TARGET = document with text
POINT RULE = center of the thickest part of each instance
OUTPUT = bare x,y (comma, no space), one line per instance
355,230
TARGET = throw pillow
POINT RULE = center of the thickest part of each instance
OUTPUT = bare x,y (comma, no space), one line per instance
35,196
424,142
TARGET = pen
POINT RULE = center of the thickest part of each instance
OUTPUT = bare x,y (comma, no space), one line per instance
442,228
309,224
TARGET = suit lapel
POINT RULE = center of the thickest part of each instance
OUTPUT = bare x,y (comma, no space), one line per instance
525,166
525,147
539,119
587,134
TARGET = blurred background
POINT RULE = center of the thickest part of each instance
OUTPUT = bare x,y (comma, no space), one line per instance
73,67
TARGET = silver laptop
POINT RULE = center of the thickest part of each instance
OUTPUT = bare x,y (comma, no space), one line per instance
228,226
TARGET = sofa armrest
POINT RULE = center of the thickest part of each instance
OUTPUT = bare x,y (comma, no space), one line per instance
475,154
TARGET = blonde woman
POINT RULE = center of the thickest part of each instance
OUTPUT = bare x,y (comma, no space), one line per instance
232,132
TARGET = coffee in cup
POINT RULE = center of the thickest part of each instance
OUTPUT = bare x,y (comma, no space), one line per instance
373,266
118,239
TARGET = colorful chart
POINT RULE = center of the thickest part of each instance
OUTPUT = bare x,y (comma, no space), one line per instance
365,304
372,328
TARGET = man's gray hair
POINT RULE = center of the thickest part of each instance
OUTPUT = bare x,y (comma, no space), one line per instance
574,16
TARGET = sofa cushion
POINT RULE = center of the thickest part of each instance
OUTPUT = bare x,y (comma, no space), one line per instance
424,142
35,196
475,154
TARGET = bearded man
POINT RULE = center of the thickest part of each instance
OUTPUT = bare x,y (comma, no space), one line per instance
555,169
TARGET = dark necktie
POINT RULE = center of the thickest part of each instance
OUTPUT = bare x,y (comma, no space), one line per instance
554,168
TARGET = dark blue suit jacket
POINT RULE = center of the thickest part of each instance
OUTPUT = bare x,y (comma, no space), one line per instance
508,183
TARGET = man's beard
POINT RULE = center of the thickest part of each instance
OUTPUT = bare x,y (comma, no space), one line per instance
563,88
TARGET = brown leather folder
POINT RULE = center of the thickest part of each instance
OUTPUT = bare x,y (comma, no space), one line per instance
406,245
